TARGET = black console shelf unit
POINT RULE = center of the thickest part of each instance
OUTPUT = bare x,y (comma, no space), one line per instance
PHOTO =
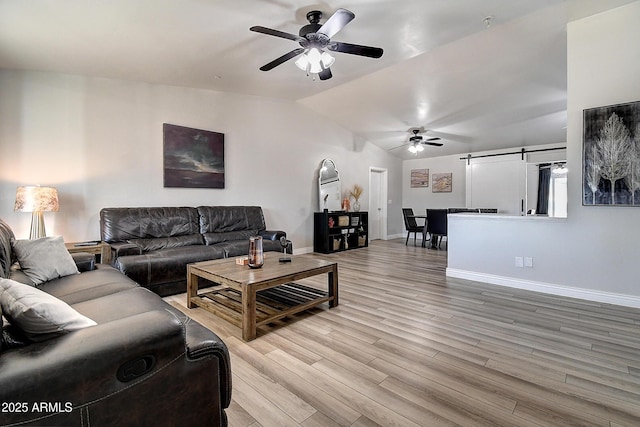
340,231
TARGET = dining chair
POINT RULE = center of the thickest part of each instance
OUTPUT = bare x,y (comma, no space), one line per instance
437,226
411,225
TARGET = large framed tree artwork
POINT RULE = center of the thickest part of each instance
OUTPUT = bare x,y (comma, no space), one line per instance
611,156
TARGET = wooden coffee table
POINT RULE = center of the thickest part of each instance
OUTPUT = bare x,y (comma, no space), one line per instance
250,298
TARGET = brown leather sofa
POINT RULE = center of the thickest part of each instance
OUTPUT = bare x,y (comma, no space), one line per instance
144,363
153,245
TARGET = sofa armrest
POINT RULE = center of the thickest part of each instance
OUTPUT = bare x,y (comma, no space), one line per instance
119,249
201,343
82,367
272,234
84,261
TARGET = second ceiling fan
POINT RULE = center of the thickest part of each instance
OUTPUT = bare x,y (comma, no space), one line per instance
314,38
416,140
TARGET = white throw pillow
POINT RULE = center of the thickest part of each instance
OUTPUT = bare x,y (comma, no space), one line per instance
37,314
44,259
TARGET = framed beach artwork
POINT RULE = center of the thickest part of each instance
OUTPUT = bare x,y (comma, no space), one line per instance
442,182
611,155
419,178
193,158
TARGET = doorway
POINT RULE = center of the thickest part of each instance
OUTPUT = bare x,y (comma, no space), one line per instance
378,203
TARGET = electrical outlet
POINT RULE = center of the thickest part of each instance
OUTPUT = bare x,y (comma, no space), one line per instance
519,262
528,262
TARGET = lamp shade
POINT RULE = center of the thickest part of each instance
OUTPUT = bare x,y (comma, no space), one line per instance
32,198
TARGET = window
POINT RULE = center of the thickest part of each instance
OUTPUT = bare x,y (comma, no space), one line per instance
558,191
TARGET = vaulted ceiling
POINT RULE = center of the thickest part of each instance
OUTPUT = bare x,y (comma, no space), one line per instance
476,86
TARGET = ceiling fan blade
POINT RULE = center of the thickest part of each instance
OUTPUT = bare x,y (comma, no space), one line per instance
435,138
356,49
435,144
325,74
337,22
284,58
276,33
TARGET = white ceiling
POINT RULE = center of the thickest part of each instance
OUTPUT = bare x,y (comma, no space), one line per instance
478,88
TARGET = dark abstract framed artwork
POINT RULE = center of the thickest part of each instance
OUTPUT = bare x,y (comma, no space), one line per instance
193,158
611,156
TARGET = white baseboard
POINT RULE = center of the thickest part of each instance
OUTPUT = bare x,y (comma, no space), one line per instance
548,288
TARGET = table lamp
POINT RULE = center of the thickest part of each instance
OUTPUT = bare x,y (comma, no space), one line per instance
36,199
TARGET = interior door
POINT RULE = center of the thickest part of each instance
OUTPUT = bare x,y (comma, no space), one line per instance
377,204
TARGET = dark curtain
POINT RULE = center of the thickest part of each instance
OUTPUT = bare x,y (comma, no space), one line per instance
544,184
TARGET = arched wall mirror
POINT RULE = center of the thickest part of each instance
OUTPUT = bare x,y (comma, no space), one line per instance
329,188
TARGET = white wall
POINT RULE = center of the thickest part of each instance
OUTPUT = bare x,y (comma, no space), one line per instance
422,198
592,254
486,182
99,141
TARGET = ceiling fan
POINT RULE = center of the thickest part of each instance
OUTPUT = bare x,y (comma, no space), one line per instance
314,38
416,141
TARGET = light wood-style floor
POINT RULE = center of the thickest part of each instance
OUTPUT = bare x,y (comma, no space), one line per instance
408,346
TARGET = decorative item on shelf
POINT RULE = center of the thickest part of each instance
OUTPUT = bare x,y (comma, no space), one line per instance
346,204
256,255
343,221
331,222
336,244
362,240
36,199
285,244
356,192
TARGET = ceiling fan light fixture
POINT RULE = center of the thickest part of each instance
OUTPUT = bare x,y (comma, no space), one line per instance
315,67
415,148
302,62
327,60
312,61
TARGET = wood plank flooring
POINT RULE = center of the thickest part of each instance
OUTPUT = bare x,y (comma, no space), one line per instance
408,346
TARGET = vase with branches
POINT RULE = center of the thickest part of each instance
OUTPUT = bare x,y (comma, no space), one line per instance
356,192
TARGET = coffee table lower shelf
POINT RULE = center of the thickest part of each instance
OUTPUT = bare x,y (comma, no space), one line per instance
271,304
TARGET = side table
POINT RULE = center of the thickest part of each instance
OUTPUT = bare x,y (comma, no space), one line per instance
100,248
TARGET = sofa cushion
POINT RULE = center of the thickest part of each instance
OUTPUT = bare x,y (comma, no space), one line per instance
219,219
165,265
104,280
231,236
148,245
38,315
44,259
121,305
123,224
